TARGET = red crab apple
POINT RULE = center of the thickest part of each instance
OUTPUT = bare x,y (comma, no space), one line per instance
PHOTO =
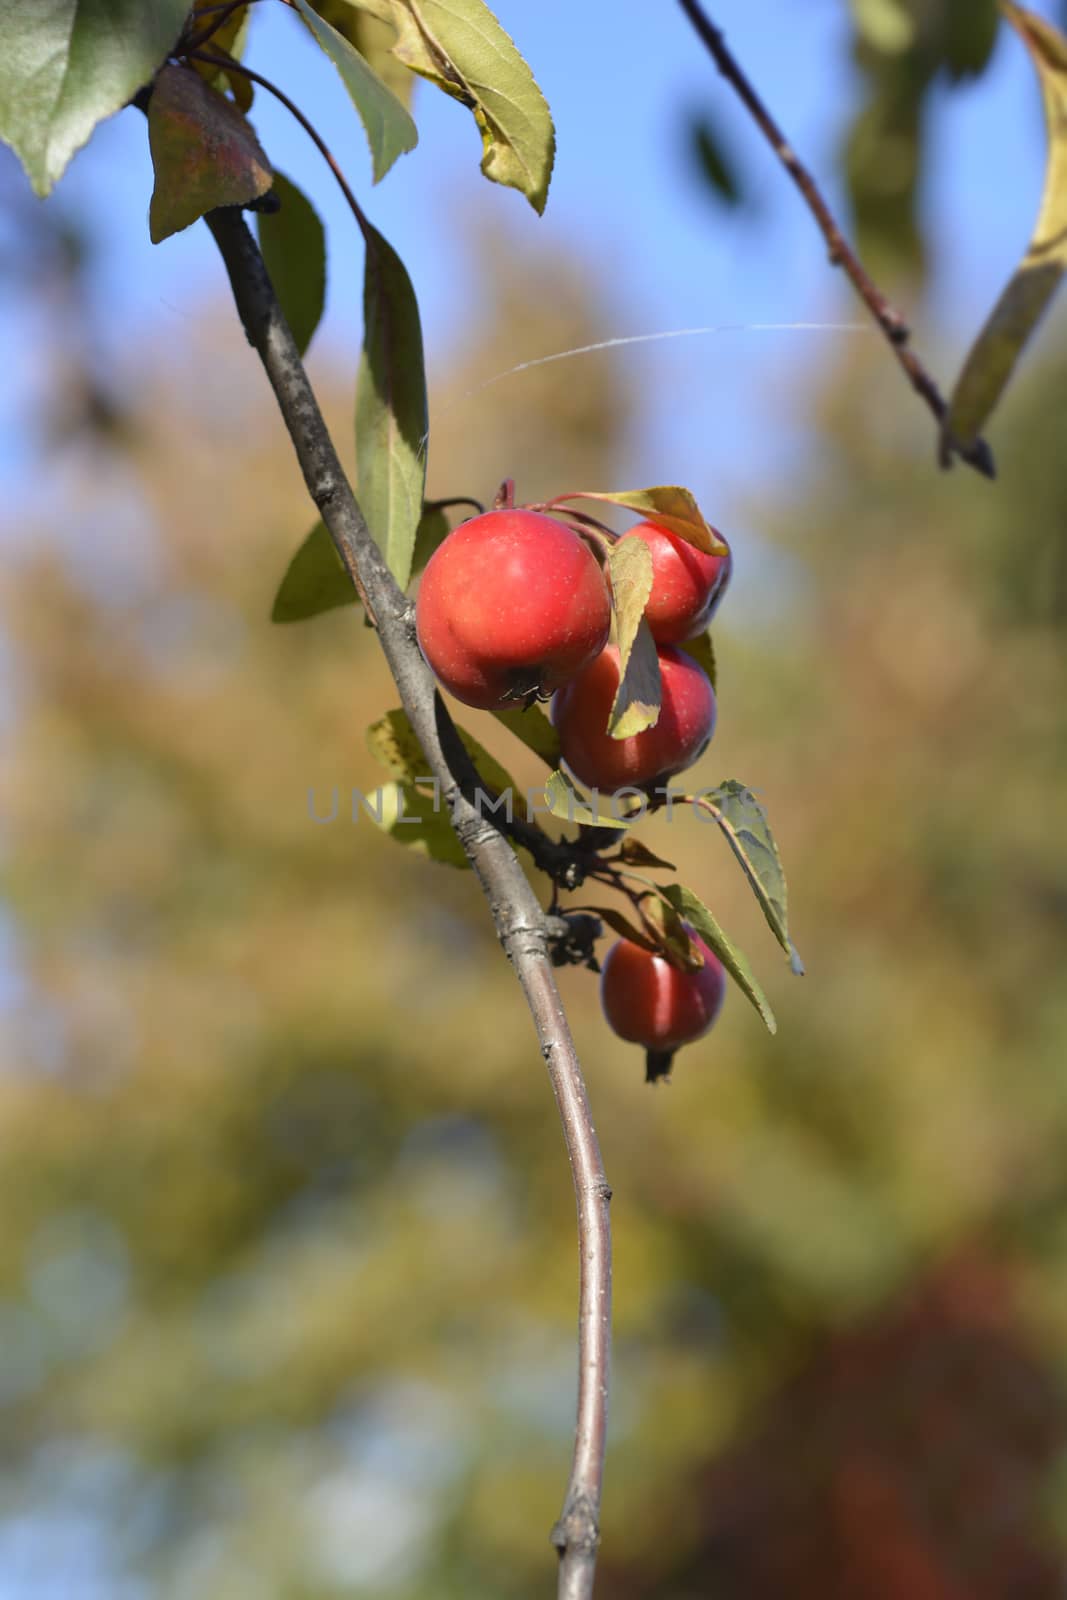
686,722
511,605
687,583
651,1002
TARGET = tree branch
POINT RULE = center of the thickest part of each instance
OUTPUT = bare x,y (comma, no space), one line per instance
517,915
977,455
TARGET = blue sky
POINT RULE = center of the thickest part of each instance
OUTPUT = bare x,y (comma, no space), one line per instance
716,414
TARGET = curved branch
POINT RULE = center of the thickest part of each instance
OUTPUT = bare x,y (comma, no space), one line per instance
977,455
517,915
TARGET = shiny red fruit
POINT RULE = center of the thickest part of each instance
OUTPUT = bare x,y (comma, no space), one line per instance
512,604
687,583
652,1003
686,723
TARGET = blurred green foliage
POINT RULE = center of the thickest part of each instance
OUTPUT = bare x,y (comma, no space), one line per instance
287,1259
902,50
287,1264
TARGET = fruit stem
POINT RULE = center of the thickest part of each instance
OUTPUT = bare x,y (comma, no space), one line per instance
505,496
598,534
658,1065
457,500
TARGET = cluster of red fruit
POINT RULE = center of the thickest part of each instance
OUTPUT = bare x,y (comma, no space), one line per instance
514,606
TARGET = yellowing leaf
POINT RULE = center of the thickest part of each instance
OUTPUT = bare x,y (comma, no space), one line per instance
415,819
637,699
669,505
887,25
203,151
564,801
229,34
393,744
226,41
1016,314
461,47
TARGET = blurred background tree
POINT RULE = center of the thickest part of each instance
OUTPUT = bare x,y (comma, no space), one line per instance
286,1241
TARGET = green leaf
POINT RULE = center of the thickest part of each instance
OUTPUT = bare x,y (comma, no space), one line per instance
293,243
744,822
564,801
695,912
461,47
883,156
703,653
712,163
390,130
669,505
676,941
637,699
432,530
412,818
1017,313
969,32
374,35
315,580
203,151
535,731
68,64
392,419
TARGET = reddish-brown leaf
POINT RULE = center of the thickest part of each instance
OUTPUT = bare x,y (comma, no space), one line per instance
203,151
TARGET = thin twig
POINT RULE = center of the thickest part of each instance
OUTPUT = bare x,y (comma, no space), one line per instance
978,454
457,500
309,127
517,916
218,16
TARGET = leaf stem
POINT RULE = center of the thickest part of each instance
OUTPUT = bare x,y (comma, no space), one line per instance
978,454
219,15
308,127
